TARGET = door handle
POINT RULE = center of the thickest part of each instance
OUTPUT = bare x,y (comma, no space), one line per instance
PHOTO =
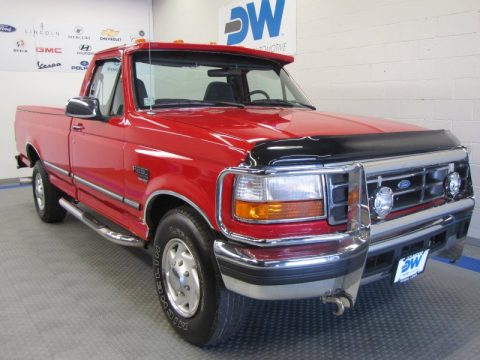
78,127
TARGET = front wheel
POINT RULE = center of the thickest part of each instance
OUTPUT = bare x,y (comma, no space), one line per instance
188,281
46,196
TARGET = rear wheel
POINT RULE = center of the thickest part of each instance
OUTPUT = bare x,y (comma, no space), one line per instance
188,281
46,196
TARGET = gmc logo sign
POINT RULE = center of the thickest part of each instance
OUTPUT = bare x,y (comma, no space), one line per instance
49,50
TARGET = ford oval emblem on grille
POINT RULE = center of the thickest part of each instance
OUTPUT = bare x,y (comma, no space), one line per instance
404,184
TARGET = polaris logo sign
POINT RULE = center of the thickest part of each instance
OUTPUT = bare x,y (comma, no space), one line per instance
262,24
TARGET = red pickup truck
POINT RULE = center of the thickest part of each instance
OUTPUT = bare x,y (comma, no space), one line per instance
213,156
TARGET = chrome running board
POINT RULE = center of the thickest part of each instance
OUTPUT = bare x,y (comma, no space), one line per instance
100,228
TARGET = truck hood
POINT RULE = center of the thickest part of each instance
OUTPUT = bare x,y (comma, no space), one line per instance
262,124
272,136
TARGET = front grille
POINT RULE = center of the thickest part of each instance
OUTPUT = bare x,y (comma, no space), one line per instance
426,184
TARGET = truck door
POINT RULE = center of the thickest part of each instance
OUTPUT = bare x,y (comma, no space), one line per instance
97,145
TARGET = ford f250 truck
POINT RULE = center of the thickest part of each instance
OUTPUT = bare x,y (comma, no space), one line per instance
215,158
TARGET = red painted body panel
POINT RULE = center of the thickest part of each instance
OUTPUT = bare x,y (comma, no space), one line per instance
183,149
255,124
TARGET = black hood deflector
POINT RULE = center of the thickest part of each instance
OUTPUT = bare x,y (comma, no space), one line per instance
339,148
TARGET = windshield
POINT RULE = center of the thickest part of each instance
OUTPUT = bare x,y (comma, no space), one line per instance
176,79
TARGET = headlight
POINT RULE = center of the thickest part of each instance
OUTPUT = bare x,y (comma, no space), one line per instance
278,198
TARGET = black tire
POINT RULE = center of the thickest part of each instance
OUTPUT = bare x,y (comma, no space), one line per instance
48,208
220,312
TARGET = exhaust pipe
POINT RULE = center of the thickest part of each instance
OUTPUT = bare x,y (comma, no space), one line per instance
100,228
342,301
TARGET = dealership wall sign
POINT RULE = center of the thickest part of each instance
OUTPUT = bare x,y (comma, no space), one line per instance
262,24
58,47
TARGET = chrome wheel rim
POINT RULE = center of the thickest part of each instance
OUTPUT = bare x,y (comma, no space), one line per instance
39,192
180,276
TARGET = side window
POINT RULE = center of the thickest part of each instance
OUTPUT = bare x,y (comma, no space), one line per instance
103,84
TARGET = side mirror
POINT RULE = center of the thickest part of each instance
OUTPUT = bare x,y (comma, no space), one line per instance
84,107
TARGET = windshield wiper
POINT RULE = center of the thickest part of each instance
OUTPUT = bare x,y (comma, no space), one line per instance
197,103
279,102
225,103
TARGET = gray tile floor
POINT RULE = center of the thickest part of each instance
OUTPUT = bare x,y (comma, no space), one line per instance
65,293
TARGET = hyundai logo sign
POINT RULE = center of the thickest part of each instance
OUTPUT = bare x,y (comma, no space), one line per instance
263,24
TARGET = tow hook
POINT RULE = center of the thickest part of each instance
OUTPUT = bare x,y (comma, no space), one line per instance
342,301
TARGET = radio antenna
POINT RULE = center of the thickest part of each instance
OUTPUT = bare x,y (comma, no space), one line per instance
150,58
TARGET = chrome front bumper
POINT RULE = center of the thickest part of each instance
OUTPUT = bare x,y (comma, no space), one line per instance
345,270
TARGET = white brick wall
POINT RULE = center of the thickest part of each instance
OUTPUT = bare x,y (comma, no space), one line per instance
416,61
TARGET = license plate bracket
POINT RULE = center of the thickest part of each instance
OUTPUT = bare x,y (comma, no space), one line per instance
410,266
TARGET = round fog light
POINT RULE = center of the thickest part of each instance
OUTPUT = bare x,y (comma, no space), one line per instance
383,202
453,182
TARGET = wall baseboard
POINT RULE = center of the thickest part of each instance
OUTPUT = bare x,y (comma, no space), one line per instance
473,241
10,181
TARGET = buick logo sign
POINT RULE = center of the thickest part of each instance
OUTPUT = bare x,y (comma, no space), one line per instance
7,28
84,48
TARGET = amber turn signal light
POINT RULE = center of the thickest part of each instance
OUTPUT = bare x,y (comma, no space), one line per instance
276,210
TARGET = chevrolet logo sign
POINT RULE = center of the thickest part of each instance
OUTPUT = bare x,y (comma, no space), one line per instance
110,32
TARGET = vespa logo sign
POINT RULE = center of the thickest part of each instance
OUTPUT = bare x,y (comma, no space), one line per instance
263,24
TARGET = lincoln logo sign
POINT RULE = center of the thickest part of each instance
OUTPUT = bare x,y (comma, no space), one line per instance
262,24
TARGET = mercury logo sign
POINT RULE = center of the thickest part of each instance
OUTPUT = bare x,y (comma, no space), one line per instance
244,18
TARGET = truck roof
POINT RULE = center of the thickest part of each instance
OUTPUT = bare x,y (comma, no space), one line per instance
228,49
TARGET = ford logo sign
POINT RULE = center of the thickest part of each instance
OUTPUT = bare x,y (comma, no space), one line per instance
84,63
7,28
404,184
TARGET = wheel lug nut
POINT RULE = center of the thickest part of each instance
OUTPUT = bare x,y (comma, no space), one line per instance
186,274
180,263
187,287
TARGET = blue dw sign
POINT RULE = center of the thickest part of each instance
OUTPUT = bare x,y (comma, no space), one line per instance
404,184
250,17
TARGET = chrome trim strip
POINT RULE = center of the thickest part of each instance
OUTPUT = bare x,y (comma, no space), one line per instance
56,168
98,188
100,228
131,203
413,161
396,226
109,193
177,195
